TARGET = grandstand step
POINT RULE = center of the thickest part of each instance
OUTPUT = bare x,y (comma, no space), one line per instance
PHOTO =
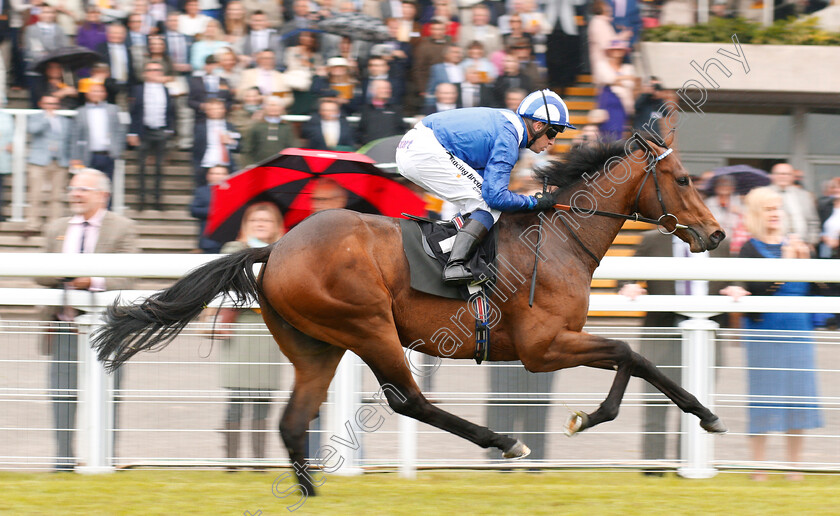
582,91
580,105
624,239
584,79
604,283
615,251
637,226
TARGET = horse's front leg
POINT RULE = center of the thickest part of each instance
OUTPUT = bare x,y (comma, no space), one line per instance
572,349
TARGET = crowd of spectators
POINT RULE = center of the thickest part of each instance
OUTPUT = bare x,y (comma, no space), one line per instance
163,61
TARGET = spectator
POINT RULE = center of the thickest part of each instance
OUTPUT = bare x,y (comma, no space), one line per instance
328,129
100,73
249,111
449,70
152,125
178,49
829,212
146,26
116,54
480,31
378,69
52,83
49,157
136,41
158,13
398,56
211,8
7,132
44,36
351,51
380,117
208,44
192,22
267,137
230,69
216,140
516,32
601,34
266,78
476,59
407,27
272,9
627,19
260,37
647,106
200,207
535,23
91,229
301,17
524,54
98,136
725,205
446,98
382,10
234,26
617,81
782,381
800,209
91,32
563,57
511,78
473,92
428,52
327,195
304,61
16,11
337,83
156,53
208,86
442,10
250,370
664,348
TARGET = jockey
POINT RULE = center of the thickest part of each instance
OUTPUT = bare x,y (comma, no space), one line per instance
466,155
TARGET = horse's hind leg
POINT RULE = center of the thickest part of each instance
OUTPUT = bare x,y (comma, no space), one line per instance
388,363
315,363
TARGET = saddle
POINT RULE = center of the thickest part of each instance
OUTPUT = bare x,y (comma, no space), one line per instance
427,243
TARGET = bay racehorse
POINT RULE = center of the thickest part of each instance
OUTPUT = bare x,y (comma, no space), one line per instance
339,281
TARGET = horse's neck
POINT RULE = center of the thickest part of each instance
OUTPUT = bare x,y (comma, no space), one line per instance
598,232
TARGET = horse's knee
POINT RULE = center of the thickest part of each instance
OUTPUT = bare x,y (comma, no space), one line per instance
623,354
410,405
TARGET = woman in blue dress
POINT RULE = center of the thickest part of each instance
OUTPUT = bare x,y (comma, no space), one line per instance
782,380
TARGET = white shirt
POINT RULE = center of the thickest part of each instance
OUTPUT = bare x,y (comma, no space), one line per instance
192,26
119,61
259,40
454,72
158,12
470,94
331,130
154,105
98,126
213,155
177,46
73,240
681,249
266,82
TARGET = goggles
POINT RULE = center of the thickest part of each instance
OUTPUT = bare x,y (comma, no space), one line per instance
554,130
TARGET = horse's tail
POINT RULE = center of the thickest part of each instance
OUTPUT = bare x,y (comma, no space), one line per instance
161,317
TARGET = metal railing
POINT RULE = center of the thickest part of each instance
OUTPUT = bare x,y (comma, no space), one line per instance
170,405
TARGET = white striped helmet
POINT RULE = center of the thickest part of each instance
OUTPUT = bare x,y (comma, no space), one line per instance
545,106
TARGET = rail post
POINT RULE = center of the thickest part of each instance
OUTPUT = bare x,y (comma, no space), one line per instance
346,436
698,374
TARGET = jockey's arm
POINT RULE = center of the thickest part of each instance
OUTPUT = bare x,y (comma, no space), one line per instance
495,189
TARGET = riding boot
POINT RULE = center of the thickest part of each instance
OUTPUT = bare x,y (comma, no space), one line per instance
466,241
232,442
258,440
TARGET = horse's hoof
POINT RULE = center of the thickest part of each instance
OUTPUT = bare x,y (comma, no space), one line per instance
517,451
576,423
715,426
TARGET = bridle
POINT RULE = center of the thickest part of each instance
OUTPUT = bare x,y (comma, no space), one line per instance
650,170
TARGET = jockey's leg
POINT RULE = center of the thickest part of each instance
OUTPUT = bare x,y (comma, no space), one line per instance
466,241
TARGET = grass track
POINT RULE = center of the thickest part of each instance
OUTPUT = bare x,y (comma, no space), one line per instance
569,493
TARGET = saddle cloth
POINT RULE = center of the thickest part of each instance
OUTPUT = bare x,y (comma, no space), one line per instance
427,244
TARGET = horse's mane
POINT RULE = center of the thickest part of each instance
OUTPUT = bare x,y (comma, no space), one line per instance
582,158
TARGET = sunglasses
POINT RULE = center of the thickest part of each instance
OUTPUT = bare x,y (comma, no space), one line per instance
554,130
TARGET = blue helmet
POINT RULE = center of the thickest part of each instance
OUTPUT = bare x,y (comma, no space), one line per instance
545,106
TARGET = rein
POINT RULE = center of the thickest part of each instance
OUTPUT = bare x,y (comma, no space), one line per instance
650,170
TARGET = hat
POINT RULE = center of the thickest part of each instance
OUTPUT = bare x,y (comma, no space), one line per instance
380,50
618,44
337,61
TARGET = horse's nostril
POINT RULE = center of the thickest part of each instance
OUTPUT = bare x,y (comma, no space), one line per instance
717,236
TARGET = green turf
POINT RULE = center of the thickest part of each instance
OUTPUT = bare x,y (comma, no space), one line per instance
566,493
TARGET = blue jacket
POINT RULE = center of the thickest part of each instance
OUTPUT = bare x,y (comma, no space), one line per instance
489,141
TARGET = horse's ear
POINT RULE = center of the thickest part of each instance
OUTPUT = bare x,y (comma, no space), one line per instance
669,138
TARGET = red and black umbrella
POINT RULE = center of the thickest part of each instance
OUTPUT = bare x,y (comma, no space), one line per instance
288,180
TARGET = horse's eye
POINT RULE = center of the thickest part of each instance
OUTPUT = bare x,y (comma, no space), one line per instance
683,181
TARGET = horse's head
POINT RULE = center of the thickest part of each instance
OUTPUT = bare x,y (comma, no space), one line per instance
668,194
